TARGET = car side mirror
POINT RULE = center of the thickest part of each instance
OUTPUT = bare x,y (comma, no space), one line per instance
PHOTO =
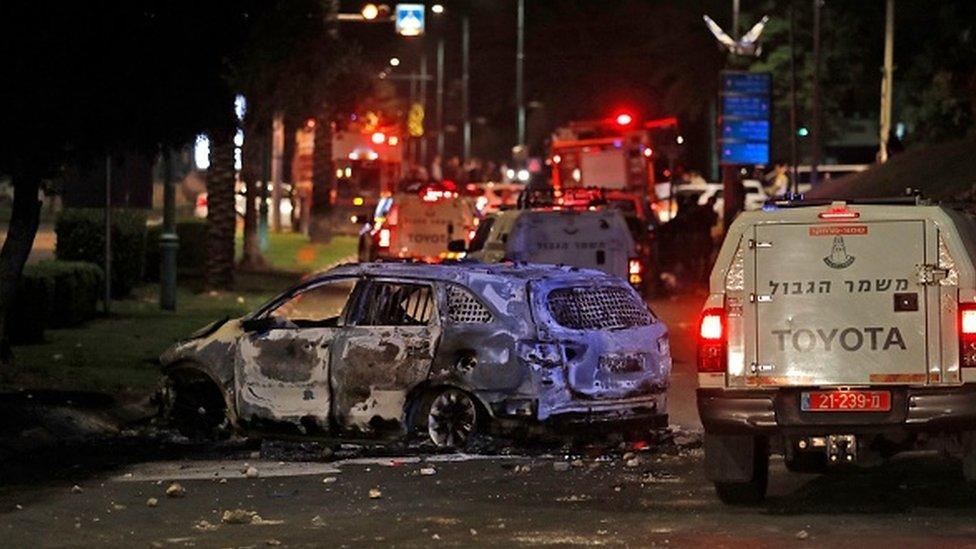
259,324
456,246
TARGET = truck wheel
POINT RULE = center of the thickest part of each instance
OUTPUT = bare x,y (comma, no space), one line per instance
452,417
738,466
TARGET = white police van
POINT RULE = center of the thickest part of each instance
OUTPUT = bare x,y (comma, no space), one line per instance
590,239
838,333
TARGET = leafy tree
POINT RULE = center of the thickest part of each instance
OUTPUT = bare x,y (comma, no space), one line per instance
82,80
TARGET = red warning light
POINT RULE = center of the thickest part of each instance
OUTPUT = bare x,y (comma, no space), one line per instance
625,119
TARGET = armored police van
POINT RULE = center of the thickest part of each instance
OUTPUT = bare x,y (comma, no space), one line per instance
838,333
589,239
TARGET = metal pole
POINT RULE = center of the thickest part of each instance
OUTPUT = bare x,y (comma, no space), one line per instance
169,241
411,140
424,161
735,19
519,71
815,126
887,81
793,153
465,88
108,234
440,98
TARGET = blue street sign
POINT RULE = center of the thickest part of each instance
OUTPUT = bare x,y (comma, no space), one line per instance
745,130
745,118
745,153
747,82
409,19
745,106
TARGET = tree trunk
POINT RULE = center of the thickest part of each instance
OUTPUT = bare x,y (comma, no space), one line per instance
254,148
221,215
24,219
323,181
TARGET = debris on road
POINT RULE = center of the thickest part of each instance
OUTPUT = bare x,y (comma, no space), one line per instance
318,521
375,493
802,534
152,502
328,480
204,526
427,471
237,516
251,472
175,490
76,489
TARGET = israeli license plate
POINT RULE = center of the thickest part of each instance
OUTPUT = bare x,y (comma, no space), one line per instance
845,401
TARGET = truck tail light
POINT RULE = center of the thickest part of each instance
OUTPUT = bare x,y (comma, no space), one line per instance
636,271
384,239
967,335
712,338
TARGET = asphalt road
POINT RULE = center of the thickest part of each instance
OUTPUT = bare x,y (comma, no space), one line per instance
528,497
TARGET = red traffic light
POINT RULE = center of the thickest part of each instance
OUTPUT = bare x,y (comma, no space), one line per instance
624,119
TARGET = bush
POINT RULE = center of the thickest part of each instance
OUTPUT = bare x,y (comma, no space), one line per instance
192,255
54,294
81,237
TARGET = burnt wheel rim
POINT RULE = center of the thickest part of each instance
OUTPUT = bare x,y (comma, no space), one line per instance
451,419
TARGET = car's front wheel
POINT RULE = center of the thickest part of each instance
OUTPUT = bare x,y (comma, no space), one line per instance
195,407
452,417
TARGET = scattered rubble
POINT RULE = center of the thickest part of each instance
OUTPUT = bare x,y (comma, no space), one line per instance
427,471
251,472
802,534
175,490
375,493
76,489
152,502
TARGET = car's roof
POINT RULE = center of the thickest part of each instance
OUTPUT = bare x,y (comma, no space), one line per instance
465,271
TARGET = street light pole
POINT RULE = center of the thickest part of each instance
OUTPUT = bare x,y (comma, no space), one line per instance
440,97
887,82
465,87
815,126
423,105
793,153
519,72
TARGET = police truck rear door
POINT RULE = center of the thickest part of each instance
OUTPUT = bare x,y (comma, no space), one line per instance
838,301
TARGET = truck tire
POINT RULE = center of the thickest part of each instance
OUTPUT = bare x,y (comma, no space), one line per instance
738,465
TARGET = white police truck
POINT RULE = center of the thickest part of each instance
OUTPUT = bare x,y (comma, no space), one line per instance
838,333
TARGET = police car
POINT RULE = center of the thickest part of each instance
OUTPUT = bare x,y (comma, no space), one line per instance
838,333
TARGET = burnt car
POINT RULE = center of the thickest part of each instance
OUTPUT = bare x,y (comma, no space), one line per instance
392,348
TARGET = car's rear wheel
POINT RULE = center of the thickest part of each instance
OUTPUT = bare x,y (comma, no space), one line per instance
452,417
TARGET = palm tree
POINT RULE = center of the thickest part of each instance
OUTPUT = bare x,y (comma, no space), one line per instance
221,214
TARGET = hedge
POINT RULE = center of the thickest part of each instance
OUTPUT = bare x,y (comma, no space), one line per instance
54,294
81,237
192,255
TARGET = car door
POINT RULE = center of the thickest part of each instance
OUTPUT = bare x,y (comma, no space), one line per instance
384,352
282,366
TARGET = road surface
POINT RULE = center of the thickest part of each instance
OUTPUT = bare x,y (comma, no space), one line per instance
526,497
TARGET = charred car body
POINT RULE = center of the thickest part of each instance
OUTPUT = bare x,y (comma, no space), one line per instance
388,348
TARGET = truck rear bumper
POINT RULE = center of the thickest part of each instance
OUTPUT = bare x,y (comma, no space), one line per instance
777,411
